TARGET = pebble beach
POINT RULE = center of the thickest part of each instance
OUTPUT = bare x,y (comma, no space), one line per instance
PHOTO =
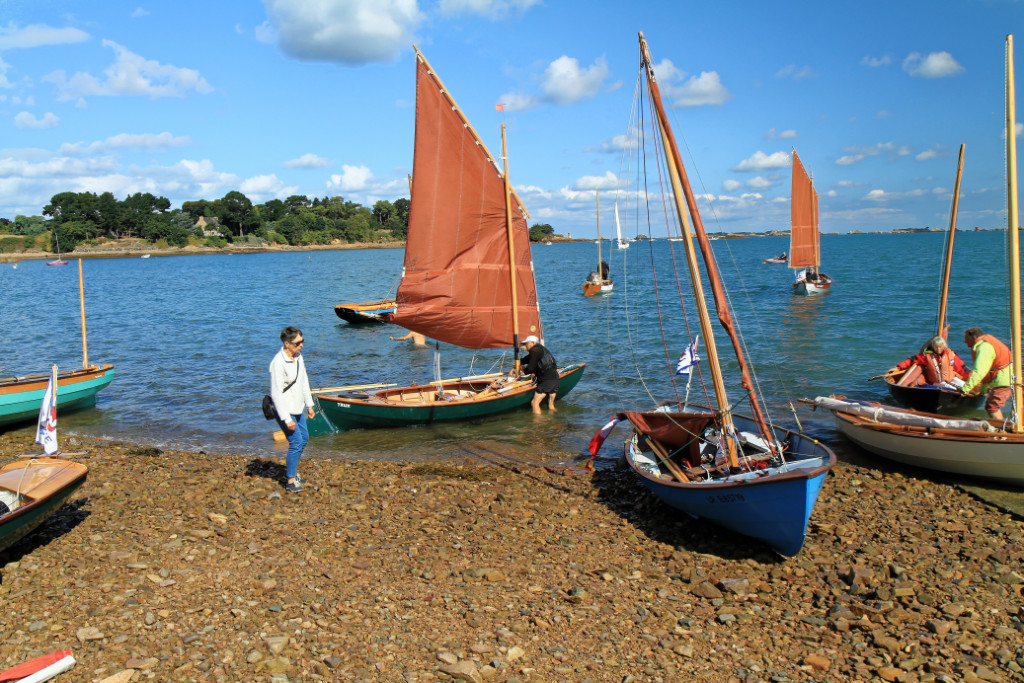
174,566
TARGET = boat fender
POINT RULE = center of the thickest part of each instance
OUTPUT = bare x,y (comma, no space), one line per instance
8,502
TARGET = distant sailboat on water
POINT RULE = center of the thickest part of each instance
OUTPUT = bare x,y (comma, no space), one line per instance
804,250
60,259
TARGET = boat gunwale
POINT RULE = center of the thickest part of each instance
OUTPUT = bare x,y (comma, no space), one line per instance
78,375
377,400
1001,436
79,474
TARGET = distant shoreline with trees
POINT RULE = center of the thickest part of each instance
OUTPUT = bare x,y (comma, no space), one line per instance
87,224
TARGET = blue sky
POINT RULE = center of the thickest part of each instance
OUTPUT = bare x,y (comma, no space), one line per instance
191,100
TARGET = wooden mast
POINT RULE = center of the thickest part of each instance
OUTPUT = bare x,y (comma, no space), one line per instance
681,188
944,291
81,306
600,274
1012,229
511,252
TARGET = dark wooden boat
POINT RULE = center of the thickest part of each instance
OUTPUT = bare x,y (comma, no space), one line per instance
929,398
366,312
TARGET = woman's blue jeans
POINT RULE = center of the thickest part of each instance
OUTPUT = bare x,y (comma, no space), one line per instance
297,440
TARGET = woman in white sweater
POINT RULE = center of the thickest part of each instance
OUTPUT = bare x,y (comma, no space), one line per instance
293,402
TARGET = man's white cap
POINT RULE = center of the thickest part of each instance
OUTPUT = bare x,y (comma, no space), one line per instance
531,338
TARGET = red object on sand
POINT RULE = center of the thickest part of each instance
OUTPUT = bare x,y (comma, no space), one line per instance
32,666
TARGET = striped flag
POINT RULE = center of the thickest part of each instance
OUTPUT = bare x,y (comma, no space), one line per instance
689,358
595,443
46,432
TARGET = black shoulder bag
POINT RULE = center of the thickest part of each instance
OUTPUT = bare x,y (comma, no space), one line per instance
269,411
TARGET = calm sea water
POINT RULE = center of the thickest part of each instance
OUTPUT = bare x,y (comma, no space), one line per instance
191,337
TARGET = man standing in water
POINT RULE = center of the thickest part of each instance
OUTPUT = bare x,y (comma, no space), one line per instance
541,363
293,402
991,370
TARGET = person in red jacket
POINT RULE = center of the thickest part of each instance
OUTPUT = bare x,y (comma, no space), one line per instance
939,365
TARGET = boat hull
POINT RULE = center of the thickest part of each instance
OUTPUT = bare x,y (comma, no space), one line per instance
773,507
994,456
932,399
46,484
595,288
820,286
366,312
21,398
419,404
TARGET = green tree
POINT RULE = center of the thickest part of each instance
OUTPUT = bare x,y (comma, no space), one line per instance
383,210
238,214
272,210
540,232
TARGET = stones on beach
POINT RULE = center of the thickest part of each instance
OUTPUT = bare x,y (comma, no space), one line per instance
460,572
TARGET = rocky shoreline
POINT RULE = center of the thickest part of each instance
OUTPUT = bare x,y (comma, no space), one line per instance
174,566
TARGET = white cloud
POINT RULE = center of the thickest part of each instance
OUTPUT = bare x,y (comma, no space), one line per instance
130,74
265,33
139,13
351,179
563,82
876,61
308,160
126,141
706,89
935,65
855,153
516,102
731,185
761,161
351,32
262,187
933,153
4,67
590,182
773,134
492,9
877,196
616,143
794,72
759,184
883,114
27,120
38,35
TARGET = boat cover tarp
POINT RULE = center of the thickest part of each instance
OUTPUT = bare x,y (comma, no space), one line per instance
886,415
673,430
456,285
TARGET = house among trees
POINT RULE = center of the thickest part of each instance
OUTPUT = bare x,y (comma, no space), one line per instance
209,225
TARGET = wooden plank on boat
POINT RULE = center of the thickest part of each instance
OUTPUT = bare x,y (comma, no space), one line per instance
665,459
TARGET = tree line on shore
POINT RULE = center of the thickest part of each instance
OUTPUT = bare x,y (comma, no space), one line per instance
75,218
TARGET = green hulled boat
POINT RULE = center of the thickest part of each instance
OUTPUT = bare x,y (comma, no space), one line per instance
451,401
467,278
32,490
21,397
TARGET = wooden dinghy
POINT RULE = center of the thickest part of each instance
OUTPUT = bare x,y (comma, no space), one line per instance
366,312
32,490
450,401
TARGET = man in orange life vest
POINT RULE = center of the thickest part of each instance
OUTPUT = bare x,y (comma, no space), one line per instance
939,364
991,370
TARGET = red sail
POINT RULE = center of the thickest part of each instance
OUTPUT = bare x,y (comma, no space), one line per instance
803,240
456,286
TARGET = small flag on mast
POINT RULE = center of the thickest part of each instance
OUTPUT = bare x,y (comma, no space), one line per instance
46,432
499,107
689,358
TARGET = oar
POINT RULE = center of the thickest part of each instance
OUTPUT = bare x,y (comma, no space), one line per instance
886,375
353,387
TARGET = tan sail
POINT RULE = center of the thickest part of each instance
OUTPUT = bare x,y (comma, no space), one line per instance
803,236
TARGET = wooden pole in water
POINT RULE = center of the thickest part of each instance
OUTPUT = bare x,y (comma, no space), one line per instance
81,305
1012,229
944,290
597,198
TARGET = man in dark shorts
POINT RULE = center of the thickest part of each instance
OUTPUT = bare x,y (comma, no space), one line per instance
541,363
991,370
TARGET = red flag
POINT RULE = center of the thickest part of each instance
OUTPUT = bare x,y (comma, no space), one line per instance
38,664
499,107
595,443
